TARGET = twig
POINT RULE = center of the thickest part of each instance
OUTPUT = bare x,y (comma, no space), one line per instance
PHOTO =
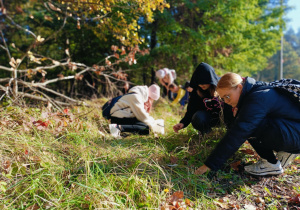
4,48
4,79
49,90
53,80
3,88
89,85
43,99
59,94
20,27
46,67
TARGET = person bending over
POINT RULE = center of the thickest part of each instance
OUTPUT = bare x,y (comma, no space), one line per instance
131,111
204,109
267,118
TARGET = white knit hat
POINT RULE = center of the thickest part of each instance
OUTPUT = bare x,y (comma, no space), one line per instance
154,92
160,74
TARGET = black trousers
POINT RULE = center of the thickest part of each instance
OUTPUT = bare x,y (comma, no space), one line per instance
276,135
131,125
203,121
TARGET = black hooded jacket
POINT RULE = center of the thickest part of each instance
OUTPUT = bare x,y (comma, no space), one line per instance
205,74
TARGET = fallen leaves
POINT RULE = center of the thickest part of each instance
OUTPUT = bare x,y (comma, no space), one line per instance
33,207
247,151
41,125
176,202
259,200
236,165
53,122
295,200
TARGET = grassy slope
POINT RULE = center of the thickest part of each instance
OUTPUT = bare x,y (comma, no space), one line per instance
69,161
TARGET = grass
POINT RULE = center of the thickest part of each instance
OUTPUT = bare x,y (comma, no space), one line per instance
67,160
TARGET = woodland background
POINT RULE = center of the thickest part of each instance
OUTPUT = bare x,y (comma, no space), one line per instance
82,49
61,60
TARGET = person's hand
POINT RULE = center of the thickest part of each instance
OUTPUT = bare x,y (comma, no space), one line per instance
189,89
178,127
201,170
148,105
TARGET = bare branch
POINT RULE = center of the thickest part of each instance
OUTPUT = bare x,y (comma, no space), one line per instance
4,80
2,88
100,17
89,85
53,80
34,70
43,99
20,27
6,68
59,94
6,48
30,85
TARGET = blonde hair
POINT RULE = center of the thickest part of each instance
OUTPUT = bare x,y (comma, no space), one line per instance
229,80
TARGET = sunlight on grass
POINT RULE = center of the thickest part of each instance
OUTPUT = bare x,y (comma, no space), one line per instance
67,160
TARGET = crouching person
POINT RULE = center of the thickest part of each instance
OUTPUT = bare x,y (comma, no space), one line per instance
267,117
131,111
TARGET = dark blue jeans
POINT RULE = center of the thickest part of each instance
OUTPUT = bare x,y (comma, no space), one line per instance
203,121
276,135
131,125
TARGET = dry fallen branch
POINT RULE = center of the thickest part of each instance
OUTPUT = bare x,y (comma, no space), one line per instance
44,99
30,85
40,65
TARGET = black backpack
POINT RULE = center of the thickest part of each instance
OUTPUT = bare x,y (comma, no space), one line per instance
109,104
289,87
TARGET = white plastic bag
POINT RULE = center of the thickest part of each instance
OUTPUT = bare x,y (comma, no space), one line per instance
159,126
114,131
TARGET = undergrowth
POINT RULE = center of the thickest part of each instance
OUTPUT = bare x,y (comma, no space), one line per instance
66,159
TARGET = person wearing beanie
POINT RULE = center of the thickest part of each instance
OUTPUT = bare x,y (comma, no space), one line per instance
131,111
204,108
166,77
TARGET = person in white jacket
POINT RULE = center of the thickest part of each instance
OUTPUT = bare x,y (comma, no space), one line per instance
131,112
166,77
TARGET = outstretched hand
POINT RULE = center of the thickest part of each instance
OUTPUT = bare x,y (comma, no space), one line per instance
178,127
201,170
189,89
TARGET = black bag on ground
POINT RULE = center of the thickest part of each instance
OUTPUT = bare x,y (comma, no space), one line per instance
109,104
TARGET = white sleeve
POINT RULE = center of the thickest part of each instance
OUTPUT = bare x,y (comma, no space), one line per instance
137,107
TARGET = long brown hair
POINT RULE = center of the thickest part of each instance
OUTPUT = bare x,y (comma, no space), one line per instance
211,91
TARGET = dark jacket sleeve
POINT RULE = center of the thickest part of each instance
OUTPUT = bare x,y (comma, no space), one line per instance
228,116
192,108
250,115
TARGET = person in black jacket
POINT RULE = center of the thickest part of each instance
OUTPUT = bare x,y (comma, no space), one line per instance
204,108
267,118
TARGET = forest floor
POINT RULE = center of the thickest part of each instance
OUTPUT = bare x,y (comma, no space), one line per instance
67,159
